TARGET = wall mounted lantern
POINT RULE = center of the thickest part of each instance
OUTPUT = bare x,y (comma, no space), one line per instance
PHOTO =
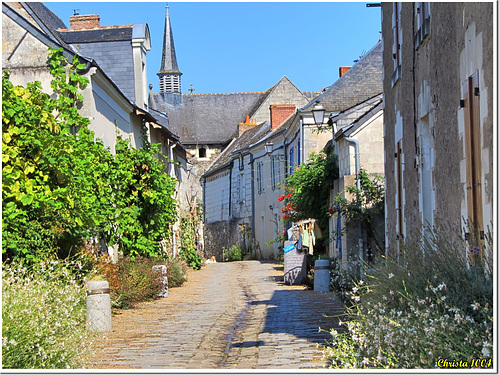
269,147
318,113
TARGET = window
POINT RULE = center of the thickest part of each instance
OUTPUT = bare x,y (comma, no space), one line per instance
422,14
202,152
397,41
298,153
473,153
399,189
241,165
241,187
277,169
273,172
259,178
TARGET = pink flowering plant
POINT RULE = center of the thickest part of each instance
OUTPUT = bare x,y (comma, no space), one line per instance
430,305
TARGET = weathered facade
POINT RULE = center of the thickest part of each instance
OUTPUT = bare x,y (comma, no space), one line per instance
358,141
438,120
28,31
353,109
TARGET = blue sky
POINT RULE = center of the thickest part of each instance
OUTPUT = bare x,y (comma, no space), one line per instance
247,46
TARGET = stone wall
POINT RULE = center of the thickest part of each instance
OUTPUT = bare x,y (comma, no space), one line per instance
423,115
218,235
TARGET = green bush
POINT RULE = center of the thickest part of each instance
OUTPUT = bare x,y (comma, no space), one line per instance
235,253
188,239
430,305
232,254
176,272
131,280
43,316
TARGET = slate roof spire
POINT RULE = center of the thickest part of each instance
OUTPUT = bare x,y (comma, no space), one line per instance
169,74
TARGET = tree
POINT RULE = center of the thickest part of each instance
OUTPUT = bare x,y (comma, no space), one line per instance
61,186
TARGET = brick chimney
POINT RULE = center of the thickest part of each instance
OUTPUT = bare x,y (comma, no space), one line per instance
343,70
85,22
279,113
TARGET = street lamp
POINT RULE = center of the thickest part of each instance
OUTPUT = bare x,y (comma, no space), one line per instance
269,147
318,113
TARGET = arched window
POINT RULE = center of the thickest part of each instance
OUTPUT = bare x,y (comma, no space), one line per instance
202,152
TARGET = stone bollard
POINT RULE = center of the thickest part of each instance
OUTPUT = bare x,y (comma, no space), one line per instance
164,279
98,306
322,275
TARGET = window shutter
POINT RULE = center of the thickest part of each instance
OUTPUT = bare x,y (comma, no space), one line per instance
472,138
476,147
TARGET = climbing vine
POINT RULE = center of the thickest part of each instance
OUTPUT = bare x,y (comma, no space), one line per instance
365,204
61,186
189,240
307,189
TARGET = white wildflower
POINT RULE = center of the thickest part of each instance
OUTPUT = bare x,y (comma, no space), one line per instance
391,275
485,352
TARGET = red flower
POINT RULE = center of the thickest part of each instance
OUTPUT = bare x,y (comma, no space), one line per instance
288,195
331,210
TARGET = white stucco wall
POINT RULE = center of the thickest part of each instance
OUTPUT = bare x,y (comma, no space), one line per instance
268,216
217,197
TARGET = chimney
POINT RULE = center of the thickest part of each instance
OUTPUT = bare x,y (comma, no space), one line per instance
244,126
279,113
343,70
85,22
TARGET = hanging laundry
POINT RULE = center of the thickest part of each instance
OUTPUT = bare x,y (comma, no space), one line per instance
306,240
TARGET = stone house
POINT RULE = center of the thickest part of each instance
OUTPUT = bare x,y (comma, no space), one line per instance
353,110
235,175
268,152
228,195
438,119
28,29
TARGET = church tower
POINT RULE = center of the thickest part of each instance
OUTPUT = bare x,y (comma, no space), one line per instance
169,74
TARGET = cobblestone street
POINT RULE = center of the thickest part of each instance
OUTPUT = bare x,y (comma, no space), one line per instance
236,315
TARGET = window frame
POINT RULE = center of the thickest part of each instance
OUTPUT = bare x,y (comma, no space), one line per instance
423,16
397,42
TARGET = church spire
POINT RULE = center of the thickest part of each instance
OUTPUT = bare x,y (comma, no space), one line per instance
169,74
